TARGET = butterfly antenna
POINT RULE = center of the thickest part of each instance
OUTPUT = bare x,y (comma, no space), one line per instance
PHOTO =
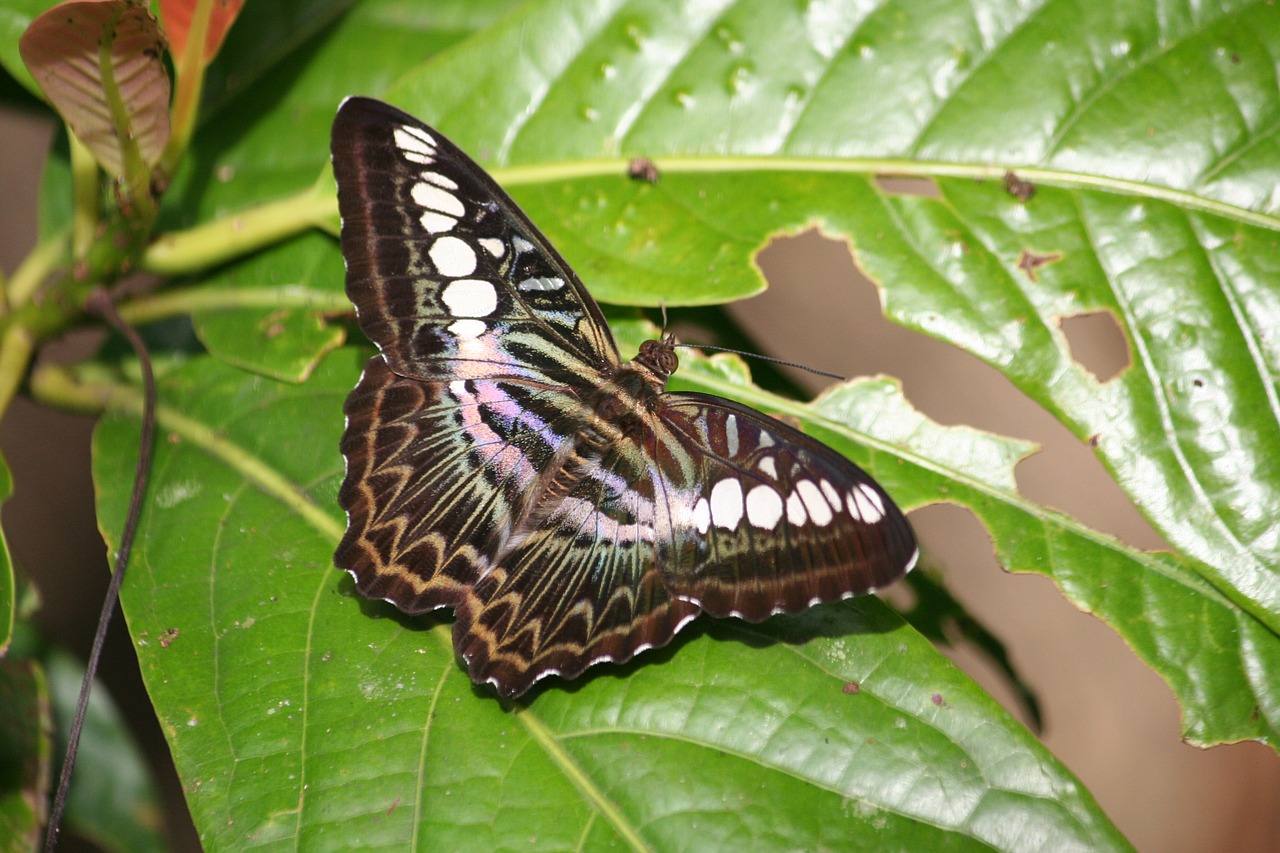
662,306
769,358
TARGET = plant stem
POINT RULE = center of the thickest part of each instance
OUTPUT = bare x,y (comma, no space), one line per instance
172,303
189,72
185,252
35,268
16,348
85,188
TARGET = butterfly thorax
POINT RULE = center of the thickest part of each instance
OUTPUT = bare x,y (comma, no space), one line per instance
622,404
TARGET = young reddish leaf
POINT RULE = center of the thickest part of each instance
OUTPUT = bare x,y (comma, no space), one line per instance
177,15
99,63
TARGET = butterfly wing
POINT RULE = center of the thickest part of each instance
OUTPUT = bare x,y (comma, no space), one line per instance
713,506
583,585
448,276
487,339
766,519
435,473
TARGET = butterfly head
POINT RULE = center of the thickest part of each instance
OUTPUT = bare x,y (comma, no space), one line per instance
659,356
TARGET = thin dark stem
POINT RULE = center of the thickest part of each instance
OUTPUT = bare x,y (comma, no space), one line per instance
100,303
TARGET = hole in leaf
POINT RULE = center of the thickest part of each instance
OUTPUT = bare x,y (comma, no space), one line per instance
1097,343
902,185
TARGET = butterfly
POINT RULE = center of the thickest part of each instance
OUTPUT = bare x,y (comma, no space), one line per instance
502,460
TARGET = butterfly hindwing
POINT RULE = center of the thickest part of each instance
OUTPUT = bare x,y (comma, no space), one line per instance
581,586
435,471
780,521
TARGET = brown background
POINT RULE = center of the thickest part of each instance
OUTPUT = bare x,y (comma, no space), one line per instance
1111,720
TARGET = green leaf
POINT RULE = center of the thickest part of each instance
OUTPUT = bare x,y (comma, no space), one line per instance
291,68
112,800
282,692
299,281
99,62
25,754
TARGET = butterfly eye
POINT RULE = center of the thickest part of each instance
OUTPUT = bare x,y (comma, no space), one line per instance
660,356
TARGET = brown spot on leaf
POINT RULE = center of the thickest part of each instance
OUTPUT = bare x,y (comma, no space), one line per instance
1030,261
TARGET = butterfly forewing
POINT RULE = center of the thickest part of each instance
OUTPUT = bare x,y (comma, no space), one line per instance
448,276
500,459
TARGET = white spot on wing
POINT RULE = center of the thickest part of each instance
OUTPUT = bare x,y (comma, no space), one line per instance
795,510
436,223
470,297
440,180
494,246
702,515
731,434
870,507
541,284
767,465
452,257
415,144
521,244
764,507
434,198
468,330
814,502
726,503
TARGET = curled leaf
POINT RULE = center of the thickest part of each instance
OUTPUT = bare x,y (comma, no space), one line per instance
100,64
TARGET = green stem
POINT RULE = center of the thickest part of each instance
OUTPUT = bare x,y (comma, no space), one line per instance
58,386
190,78
36,267
185,252
85,186
183,301
16,348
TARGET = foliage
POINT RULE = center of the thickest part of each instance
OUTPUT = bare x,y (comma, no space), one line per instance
1132,173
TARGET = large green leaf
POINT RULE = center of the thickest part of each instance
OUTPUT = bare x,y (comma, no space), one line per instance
1145,129
301,714
1150,234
